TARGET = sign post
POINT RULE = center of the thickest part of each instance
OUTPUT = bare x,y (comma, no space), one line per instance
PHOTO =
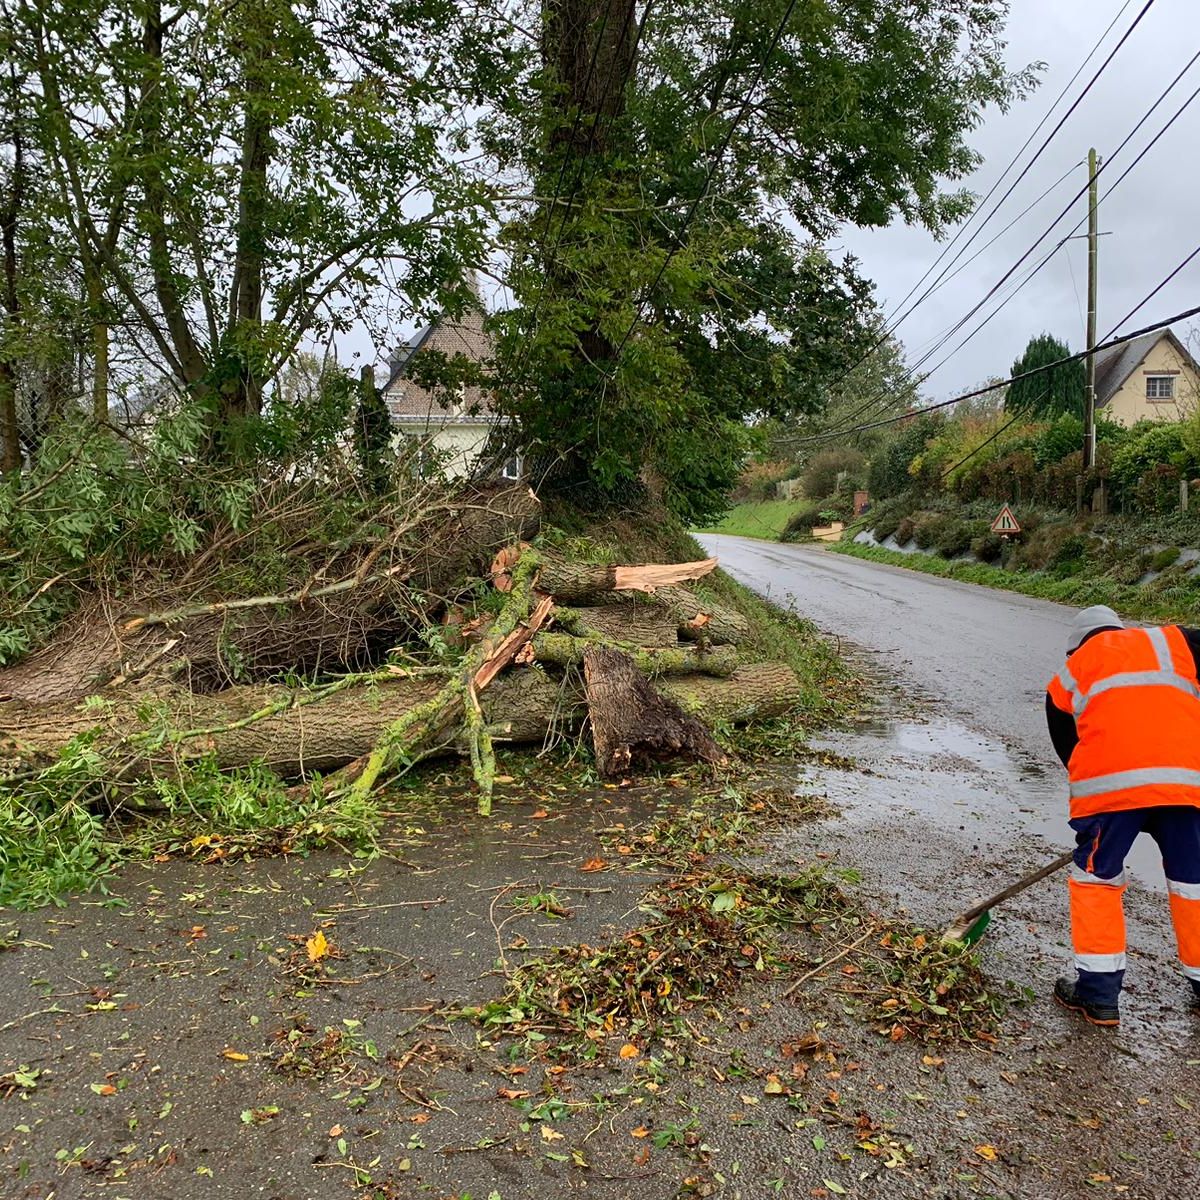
1005,524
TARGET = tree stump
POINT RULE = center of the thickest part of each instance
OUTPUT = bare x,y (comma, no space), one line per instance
632,719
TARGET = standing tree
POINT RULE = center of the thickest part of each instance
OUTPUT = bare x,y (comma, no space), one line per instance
689,162
238,179
1052,393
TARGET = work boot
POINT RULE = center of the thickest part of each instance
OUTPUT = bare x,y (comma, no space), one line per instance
1107,1015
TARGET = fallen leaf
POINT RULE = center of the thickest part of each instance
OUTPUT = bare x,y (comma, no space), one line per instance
898,1033
540,815
235,1056
835,1188
511,1093
930,1061
629,1050
594,864
502,779
317,946
550,1135
336,1131
640,1132
104,1089
642,1157
774,1086
988,1152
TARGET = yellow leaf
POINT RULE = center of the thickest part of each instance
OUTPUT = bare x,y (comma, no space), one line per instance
640,1132
550,1135
235,1056
317,946
774,1086
988,1152
664,988
629,1050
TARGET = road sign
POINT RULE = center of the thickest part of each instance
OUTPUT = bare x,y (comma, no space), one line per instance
1005,522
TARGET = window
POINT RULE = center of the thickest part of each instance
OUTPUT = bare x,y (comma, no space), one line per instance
514,467
1160,387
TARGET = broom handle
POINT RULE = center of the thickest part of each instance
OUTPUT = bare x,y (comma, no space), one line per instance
1014,888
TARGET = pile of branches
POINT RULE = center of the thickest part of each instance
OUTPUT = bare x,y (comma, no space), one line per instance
434,627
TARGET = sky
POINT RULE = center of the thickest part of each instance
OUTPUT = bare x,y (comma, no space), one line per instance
1148,225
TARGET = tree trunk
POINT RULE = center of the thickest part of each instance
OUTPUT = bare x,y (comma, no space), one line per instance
647,624
10,429
296,737
632,721
563,650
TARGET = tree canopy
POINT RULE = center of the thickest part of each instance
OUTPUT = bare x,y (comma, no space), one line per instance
1054,392
672,276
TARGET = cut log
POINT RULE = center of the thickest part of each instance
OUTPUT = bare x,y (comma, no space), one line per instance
571,583
751,693
633,721
630,623
563,650
703,619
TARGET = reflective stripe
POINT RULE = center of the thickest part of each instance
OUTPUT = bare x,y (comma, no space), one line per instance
1118,781
1191,972
1100,962
1142,679
1188,891
1162,649
1067,680
1079,875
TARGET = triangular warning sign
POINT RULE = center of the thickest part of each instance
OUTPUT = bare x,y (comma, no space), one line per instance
1005,522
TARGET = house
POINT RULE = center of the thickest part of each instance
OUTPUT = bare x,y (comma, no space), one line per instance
1152,377
453,430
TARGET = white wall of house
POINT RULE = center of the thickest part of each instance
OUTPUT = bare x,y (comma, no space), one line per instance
456,446
1167,370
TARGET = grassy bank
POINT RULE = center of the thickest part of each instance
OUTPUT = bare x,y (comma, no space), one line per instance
1178,603
757,518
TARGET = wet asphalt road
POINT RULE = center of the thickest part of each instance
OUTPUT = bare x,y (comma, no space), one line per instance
978,656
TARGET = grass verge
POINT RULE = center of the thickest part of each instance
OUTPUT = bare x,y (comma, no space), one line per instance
757,518
1078,591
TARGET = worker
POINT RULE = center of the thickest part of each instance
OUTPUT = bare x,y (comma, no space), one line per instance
1124,717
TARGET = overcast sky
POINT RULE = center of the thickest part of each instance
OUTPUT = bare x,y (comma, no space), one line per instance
1151,218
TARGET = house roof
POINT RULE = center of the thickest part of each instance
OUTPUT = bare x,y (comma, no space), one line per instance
410,403
1115,365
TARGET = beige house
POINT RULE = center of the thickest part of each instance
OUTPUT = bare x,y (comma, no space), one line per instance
1148,378
453,429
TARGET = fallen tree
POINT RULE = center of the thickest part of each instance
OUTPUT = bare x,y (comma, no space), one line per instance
535,669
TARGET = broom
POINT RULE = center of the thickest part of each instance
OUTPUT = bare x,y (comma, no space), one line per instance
968,926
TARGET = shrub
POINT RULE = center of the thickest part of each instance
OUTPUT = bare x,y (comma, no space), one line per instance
988,547
800,524
1059,439
820,477
955,539
904,531
758,480
930,528
1148,446
1165,558
1158,489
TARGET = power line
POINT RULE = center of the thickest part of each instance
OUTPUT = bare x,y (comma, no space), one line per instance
983,391
1041,149
873,401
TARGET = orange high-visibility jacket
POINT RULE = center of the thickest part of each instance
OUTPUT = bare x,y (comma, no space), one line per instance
1135,697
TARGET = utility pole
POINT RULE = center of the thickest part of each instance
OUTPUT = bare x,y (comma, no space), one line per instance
1089,412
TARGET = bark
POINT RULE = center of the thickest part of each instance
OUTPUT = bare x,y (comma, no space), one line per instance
751,693
521,707
631,721
563,650
703,619
10,430
647,625
581,583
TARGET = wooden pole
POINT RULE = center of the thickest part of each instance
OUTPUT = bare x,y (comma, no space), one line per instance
1089,420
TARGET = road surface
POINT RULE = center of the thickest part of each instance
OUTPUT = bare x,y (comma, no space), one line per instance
981,658
986,655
